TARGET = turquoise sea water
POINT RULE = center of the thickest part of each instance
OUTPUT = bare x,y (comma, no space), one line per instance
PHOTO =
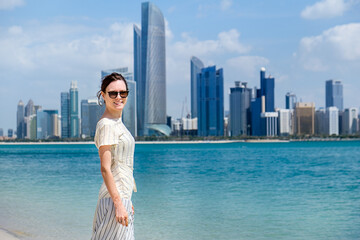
303,190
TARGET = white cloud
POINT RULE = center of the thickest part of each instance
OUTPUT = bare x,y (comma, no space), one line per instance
335,45
225,4
51,56
227,42
246,66
207,8
326,9
11,4
15,30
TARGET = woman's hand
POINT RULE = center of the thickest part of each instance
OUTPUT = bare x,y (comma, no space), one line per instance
133,209
121,214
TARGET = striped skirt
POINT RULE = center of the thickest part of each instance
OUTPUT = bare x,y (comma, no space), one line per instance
105,226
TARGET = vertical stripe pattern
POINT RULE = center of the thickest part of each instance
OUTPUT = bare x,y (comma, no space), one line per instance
105,226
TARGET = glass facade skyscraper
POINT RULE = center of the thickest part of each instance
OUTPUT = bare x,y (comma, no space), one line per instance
150,71
240,99
20,126
195,68
65,119
74,111
210,100
263,102
267,90
290,100
47,124
334,94
91,112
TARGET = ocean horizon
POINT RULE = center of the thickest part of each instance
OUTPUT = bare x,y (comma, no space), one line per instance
290,190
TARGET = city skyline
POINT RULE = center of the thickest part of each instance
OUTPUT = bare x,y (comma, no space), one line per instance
54,46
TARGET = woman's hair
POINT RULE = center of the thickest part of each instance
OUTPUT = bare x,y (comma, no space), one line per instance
107,80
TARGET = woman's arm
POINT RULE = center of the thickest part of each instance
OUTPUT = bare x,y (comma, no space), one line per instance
105,161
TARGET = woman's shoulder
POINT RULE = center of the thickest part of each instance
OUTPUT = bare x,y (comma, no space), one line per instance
106,121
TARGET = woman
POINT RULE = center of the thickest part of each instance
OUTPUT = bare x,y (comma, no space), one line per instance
114,213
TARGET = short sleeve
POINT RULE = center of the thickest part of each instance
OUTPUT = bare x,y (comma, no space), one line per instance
105,135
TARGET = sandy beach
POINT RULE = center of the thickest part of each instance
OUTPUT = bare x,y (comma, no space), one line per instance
6,235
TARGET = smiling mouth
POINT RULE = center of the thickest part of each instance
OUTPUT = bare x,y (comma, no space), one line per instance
118,103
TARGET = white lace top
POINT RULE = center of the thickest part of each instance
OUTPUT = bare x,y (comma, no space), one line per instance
113,132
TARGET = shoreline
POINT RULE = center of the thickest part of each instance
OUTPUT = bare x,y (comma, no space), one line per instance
193,141
7,235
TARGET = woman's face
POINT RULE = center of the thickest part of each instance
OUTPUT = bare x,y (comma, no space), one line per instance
118,103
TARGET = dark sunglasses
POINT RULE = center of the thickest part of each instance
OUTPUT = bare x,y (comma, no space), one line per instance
114,94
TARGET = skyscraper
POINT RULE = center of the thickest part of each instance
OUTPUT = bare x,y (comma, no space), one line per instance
65,118
334,94
267,91
210,99
286,122
290,100
195,68
91,112
332,121
129,117
47,124
150,71
320,122
240,99
350,121
264,101
304,118
74,111
255,108
29,109
20,124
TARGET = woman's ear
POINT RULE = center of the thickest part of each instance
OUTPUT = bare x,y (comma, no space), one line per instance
103,96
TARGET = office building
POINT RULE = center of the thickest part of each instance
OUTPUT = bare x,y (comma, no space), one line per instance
304,118
150,72
210,99
74,111
184,127
129,114
320,122
91,112
20,125
195,68
290,100
350,121
189,126
334,94
65,117
263,101
47,124
30,108
332,121
1,132
255,108
286,122
70,122
267,91
10,133
240,100
269,123
30,126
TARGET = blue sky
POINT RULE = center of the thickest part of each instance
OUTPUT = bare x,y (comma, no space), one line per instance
44,45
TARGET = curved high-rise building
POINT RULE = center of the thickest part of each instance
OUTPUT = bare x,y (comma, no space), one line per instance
151,80
195,67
